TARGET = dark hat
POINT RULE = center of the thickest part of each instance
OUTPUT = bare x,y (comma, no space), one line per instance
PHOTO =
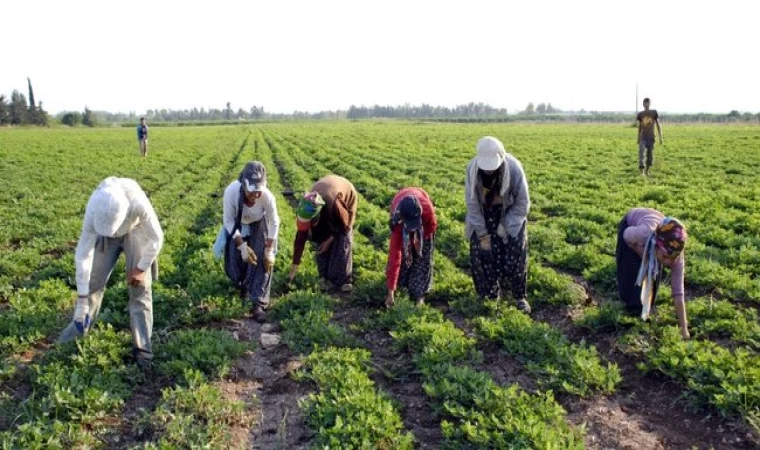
411,213
253,176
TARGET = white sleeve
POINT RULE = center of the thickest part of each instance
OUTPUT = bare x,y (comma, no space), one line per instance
84,255
272,218
153,231
230,207
518,212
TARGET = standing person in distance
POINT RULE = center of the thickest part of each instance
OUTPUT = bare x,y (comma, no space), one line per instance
647,241
142,137
326,216
497,199
410,255
647,120
118,218
248,239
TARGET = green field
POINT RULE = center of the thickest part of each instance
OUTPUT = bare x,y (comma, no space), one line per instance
455,374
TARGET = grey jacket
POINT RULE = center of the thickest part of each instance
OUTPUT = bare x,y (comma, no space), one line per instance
515,194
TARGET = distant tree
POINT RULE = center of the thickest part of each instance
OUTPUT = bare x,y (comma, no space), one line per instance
530,109
71,118
42,116
88,118
541,108
734,114
552,110
228,112
32,114
18,108
4,117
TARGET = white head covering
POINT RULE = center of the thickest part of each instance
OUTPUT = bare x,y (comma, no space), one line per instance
110,207
490,155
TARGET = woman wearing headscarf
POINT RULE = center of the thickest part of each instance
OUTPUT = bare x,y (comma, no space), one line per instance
251,225
325,216
410,255
497,198
648,241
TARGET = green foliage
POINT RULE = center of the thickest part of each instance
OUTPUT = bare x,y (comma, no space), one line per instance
349,411
558,363
195,416
210,352
606,317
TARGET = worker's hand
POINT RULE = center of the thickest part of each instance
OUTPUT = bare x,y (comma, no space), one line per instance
247,254
135,277
389,300
501,231
485,243
82,315
685,334
325,246
269,261
293,272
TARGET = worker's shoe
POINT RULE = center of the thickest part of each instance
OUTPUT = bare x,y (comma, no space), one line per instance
420,301
347,288
523,306
143,359
259,315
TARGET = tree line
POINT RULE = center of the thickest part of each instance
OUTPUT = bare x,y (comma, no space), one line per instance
19,111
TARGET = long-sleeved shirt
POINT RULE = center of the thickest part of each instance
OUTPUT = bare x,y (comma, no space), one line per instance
429,226
641,223
515,201
140,214
264,208
336,217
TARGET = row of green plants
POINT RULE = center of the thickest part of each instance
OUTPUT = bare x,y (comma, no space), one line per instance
79,389
557,239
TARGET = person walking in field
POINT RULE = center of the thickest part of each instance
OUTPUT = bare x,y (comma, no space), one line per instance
497,199
142,137
326,216
647,241
410,256
647,120
118,218
248,239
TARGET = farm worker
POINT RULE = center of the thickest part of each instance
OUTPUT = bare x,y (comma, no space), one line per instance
497,199
142,137
410,256
326,216
647,241
647,120
118,218
249,236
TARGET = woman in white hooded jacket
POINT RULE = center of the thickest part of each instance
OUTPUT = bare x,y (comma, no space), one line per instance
118,218
497,198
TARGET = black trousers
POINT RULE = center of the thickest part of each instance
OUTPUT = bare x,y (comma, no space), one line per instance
628,264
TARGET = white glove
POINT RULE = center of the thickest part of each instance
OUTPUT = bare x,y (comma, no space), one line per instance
269,260
501,231
247,254
82,315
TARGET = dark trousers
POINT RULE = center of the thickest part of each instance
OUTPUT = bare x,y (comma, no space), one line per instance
255,279
628,265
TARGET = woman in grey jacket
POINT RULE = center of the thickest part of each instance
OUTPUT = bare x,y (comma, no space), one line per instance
497,198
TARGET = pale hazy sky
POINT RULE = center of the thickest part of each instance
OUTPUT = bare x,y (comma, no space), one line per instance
314,55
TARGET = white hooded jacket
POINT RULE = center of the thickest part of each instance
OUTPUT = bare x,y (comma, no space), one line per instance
124,201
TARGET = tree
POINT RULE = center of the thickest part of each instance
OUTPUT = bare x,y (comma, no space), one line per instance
734,114
88,118
228,111
71,118
32,114
18,109
4,118
530,109
42,116
541,108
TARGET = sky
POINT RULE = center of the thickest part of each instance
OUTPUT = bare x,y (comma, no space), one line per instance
688,56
